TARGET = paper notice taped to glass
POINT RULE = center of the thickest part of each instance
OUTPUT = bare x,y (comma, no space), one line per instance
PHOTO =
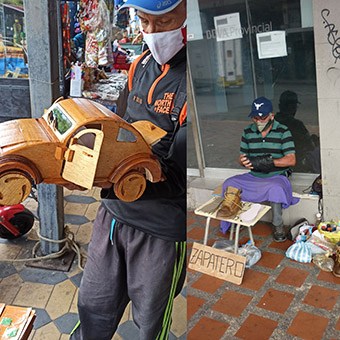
271,44
228,27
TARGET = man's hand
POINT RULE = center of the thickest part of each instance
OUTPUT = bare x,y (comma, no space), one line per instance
244,161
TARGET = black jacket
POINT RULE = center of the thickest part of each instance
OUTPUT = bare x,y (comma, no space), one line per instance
161,211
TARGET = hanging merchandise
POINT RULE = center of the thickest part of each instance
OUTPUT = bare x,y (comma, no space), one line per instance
94,19
65,20
123,18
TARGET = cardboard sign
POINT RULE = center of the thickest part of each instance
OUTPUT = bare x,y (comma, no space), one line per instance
218,263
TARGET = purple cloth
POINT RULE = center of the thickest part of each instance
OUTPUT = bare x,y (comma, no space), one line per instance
277,189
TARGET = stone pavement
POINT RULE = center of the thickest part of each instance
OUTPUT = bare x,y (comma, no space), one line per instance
278,298
53,294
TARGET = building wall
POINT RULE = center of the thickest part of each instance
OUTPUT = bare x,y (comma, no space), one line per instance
327,47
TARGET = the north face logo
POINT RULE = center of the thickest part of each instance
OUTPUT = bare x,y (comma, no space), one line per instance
164,105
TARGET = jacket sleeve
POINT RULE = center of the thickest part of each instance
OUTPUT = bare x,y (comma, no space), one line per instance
174,169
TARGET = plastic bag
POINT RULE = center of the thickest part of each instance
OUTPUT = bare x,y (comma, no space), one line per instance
300,252
251,252
318,240
324,262
226,245
330,230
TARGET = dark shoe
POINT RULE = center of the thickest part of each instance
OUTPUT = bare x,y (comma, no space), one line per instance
293,231
336,268
279,233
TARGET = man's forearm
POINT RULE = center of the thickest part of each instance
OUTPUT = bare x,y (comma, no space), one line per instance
285,161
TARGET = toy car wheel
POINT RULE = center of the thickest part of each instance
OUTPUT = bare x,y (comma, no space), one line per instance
130,187
14,187
23,221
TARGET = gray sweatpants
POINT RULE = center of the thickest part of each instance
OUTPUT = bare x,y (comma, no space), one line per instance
133,266
277,220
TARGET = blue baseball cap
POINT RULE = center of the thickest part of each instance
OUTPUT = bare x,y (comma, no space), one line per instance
153,7
261,107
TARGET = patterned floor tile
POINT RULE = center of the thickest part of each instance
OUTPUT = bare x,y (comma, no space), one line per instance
276,301
270,260
128,330
75,208
196,234
61,299
308,326
257,328
84,233
33,295
9,288
254,280
321,297
91,211
194,304
76,279
74,304
75,219
65,337
292,276
232,303
42,276
66,323
208,284
80,199
6,269
329,277
179,320
207,328
262,229
42,318
9,251
47,332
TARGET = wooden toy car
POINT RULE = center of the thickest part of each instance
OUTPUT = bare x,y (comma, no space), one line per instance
77,141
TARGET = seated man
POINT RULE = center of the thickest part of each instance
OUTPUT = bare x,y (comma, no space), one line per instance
267,150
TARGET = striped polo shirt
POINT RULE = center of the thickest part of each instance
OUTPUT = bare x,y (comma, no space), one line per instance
278,143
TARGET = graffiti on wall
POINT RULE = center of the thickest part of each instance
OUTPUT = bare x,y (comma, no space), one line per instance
332,34
333,73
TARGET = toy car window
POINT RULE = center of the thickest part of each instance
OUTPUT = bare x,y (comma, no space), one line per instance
58,120
126,136
87,140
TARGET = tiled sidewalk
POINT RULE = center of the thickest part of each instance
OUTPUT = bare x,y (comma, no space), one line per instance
53,294
278,298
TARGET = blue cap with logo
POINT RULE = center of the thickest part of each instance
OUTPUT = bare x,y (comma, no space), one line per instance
158,7
261,107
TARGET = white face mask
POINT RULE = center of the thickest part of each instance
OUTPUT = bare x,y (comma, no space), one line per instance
262,126
164,45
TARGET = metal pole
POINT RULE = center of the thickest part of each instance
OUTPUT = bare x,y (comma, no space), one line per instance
195,121
41,21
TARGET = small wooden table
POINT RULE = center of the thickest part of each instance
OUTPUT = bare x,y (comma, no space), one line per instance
209,211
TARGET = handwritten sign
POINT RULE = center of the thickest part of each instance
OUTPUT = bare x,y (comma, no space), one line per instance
218,263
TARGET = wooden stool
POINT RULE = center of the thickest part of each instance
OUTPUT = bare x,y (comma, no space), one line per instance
209,211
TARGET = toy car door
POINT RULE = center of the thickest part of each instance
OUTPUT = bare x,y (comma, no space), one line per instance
82,156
